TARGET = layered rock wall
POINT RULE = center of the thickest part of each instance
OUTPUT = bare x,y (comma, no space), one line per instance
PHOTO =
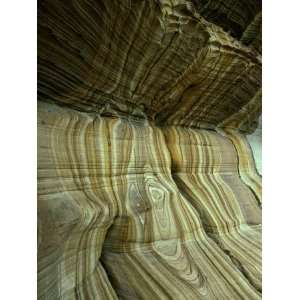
147,185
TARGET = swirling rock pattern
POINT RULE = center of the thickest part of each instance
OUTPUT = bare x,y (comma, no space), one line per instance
100,180
246,163
147,186
205,168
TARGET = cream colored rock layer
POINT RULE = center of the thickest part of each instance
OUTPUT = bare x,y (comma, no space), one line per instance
246,164
114,224
205,169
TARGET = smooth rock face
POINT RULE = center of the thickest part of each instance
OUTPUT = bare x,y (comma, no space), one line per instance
255,141
148,184
205,168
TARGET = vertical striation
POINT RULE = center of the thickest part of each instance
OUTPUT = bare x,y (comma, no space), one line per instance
205,168
148,183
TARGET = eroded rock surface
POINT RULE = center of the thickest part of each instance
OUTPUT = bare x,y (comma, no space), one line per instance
147,185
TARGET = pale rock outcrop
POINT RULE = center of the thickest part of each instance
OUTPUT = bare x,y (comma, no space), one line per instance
255,141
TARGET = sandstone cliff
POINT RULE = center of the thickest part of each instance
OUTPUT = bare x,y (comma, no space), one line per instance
147,116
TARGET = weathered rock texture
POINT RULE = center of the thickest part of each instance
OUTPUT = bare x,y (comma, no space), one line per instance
147,116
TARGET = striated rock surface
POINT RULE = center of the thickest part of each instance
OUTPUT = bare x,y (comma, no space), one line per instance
205,168
110,56
246,163
148,149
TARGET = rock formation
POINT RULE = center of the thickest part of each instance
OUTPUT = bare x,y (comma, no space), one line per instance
148,118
